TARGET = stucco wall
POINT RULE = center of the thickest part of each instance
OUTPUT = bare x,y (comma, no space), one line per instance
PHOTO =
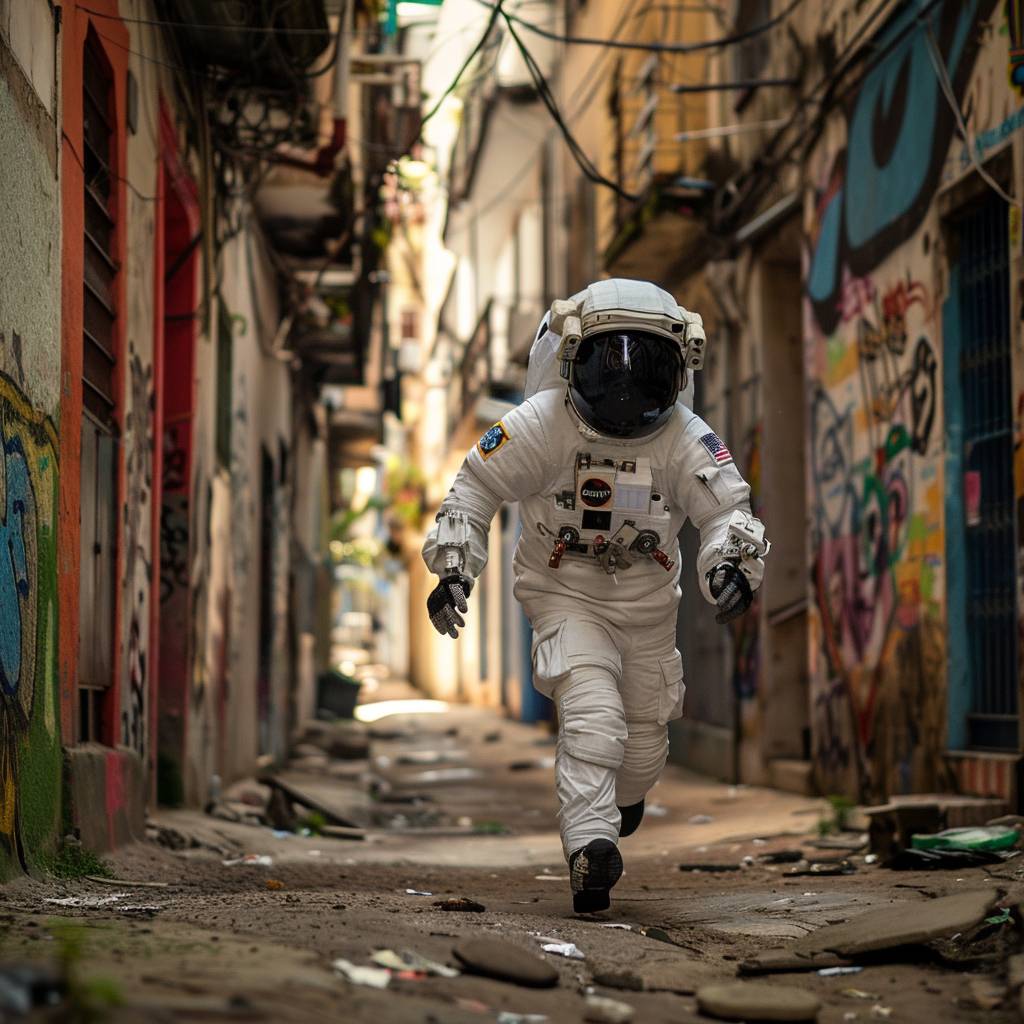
30,760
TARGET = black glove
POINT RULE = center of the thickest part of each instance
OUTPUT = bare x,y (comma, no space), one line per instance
731,591
446,601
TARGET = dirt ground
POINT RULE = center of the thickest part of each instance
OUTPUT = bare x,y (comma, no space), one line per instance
253,942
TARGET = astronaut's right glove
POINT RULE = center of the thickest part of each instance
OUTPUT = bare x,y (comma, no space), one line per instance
447,600
731,591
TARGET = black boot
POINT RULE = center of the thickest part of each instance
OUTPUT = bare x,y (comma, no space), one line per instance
631,818
593,870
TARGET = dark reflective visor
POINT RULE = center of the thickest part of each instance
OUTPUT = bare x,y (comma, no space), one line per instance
625,383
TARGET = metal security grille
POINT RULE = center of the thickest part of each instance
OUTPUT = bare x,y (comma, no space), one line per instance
985,376
98,496
100,268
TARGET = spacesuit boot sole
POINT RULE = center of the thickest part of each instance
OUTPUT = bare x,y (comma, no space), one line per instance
593,870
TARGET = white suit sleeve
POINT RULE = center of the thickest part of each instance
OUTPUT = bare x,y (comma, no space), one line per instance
710,489
510,462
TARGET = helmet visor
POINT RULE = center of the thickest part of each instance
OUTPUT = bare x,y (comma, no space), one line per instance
625,383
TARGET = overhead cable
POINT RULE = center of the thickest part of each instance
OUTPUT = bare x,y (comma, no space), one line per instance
621,44
948,92
496,11
584,162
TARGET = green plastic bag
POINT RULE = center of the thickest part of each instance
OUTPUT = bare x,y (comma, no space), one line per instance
993,837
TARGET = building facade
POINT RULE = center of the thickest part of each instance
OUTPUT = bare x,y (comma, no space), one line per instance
165,397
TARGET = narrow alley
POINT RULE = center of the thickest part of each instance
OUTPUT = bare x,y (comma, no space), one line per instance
449,843
512,510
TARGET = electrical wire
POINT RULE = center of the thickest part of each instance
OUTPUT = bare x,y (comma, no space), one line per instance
589,79
584,162
709,44
496,12
254,29
942,73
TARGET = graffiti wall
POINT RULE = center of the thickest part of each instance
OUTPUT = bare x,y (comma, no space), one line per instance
875,284
30,752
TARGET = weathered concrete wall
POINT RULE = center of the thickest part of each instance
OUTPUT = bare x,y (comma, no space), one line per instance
262,457
876,275
30,276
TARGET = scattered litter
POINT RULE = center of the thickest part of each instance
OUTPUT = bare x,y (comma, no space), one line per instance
657,933
783,857
551,878
834,972
461,904
465,821
275,884
417,892
139,910
258,859
86,901
857,993
881,1012
373,977
625,927
409,961
935,860
567,949
607,1011
843,867
125,881
316,853
701,819
525,766
710,868
1001,918
505,1017
281,833
428,757
655,811
850,1015
871,858
441,775
991,838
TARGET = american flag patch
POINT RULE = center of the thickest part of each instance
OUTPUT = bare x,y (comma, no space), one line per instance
716,448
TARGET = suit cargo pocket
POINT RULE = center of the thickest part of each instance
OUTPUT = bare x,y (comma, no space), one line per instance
673,689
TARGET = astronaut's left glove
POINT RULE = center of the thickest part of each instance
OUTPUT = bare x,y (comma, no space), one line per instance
447,604
731,591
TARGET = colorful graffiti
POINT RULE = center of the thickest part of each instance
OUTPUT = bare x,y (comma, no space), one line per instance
136,513
899,129
876,536
30,756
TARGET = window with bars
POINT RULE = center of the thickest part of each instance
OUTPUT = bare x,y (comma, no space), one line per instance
98,499
985,381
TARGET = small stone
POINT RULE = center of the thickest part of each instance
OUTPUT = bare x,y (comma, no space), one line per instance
460,905
901,924
756,1001
495,958
619,978
1015,971
607,1011
987,993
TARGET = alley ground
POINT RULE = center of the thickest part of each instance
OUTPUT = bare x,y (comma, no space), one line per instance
460,804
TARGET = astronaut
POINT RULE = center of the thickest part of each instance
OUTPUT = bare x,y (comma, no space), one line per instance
606,464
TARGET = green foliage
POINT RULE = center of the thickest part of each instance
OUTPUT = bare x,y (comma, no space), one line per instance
314,822
840,807
89,999
489,828
74,861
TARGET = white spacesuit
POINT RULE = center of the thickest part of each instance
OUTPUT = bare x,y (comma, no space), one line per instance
606,465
